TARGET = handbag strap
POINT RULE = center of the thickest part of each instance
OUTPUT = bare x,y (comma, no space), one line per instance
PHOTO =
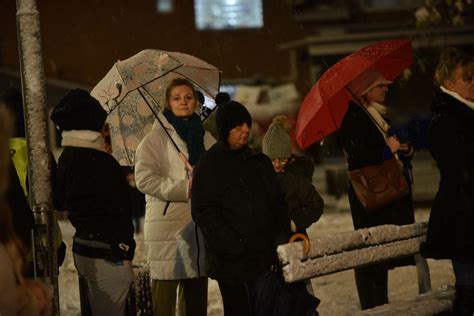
380,128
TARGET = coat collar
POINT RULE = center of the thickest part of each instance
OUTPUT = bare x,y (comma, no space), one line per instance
83,139
444,103
458,97
245,152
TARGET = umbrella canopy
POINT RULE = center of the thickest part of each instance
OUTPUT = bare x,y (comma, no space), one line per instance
326,103
133,92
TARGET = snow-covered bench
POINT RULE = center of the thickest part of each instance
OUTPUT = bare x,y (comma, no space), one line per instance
348,250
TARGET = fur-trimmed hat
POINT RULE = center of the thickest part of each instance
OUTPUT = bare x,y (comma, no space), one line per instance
229,114
366,81
78,110
276,142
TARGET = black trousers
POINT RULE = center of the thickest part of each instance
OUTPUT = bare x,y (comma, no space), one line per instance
238,299
372,285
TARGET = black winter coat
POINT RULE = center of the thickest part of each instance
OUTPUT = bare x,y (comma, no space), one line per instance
22,216
93,189
451,224
305,205
238,205
364,146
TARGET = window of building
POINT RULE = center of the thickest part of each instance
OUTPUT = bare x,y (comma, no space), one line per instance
164,6
387,5
228,14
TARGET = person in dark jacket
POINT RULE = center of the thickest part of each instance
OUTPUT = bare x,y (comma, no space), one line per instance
22,216
93,190
295,175
363,135
12,99
240,209
451,138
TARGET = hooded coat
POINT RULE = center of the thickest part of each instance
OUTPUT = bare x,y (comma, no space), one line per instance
174,245
239,206
451,224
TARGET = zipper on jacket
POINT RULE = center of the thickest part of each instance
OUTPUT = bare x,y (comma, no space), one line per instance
166,208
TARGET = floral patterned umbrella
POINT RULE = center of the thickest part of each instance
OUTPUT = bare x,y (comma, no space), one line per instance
133,92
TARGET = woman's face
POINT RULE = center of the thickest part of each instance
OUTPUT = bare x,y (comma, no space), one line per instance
182,101
377,94
462,83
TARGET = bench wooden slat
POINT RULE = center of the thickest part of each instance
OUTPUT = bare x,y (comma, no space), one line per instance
310,268
361,238
432,303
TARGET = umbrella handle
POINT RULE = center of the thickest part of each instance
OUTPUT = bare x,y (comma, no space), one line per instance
304,238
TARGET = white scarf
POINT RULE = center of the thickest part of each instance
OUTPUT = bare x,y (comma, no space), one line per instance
376,110
83,139
458,97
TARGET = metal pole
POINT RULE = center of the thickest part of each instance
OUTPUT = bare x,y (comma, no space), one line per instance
34,100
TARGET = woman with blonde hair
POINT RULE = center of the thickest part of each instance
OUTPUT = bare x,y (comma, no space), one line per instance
163,171
451,137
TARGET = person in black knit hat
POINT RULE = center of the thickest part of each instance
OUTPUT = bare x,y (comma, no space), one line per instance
92,188
240,209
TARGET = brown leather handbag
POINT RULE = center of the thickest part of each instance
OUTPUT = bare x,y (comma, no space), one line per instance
379,185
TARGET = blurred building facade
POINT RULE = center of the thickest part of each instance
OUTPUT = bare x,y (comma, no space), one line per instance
83,38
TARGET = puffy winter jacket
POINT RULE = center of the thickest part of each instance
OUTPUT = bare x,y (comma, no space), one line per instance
173,242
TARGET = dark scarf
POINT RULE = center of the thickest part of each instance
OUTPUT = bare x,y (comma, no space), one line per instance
191,131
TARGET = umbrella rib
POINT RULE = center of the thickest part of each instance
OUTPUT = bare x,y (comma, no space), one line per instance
138,88
205,90
162,75
121,78
124,144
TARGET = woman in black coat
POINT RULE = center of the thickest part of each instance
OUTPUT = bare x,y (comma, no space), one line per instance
363,137
451,136
92,188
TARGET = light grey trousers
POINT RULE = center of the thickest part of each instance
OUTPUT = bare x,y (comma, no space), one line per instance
107,283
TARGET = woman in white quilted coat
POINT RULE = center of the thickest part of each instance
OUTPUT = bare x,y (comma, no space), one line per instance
175,249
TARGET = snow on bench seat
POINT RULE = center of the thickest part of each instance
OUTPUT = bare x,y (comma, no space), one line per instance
432,303
343,251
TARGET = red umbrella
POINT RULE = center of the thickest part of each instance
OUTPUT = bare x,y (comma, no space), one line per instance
325,105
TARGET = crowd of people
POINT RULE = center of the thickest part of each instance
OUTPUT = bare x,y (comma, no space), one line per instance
216,208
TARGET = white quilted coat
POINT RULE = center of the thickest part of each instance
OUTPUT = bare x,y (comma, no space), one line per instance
171,236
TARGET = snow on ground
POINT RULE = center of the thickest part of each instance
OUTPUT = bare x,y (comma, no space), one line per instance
337,291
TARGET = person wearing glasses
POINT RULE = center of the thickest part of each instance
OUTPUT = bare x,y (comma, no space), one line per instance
295,175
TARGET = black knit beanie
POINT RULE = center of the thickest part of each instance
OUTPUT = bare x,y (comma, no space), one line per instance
229,114
78,110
